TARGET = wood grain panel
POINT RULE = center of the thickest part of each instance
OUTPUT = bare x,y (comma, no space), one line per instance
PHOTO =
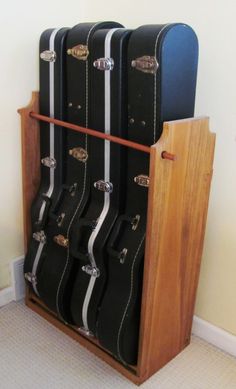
177,210
30,156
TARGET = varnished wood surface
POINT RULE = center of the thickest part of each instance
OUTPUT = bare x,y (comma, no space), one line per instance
177,210
30,146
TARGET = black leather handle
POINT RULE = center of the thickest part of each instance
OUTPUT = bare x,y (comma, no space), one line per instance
75,249
39,225
54,211
114,236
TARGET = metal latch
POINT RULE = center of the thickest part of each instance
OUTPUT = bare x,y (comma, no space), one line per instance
146,64
60,219
40,236
104,186
142,180
104,63
135,222
91,270
122,255
61,240
79,153
48,56
79,52
49,162
72,189
31,278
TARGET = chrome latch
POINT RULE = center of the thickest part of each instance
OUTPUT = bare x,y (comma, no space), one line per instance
104,63
48,56
79,52
135,222
61,240
122,255
39,236
31,278
146,64
60,219
142,180
79,153
49,162
72,189
91,270
104,186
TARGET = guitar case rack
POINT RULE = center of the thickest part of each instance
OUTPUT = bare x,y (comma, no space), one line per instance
180,172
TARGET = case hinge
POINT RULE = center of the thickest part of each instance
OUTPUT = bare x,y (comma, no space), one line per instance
49,162
61,240
142,180
39,236
146,64
104,63
104,186
79,153
48,56
79,52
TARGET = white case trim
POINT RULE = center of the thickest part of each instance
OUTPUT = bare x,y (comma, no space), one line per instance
214,335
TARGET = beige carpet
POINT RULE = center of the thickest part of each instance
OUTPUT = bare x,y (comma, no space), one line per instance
35,355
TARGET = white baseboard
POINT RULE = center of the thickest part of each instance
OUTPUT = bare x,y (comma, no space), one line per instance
6,296
214,335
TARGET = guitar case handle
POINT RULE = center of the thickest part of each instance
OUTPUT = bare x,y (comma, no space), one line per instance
112,251
39,225
71,189
78,252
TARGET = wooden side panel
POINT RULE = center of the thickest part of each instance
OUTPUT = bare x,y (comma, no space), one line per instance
30,145
177,210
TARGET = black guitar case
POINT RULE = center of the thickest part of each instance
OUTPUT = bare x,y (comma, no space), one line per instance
56,270
162,69
107,166
52,143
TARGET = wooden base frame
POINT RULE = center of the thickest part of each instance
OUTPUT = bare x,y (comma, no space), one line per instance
177,210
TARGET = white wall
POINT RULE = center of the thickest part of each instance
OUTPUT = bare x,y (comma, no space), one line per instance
214,23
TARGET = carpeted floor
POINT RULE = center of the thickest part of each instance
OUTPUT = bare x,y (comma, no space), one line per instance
35,355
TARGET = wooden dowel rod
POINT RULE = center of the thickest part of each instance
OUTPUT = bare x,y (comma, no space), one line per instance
97,134
166,155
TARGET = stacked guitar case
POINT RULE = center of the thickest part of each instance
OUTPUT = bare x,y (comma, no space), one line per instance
86,256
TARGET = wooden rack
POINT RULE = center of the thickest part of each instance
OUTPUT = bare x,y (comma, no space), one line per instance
180,176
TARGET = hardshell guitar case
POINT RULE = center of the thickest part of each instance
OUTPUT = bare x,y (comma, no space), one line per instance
162,69
56,270
52,144
107,170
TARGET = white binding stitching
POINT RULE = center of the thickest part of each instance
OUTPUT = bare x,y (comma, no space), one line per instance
129,299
